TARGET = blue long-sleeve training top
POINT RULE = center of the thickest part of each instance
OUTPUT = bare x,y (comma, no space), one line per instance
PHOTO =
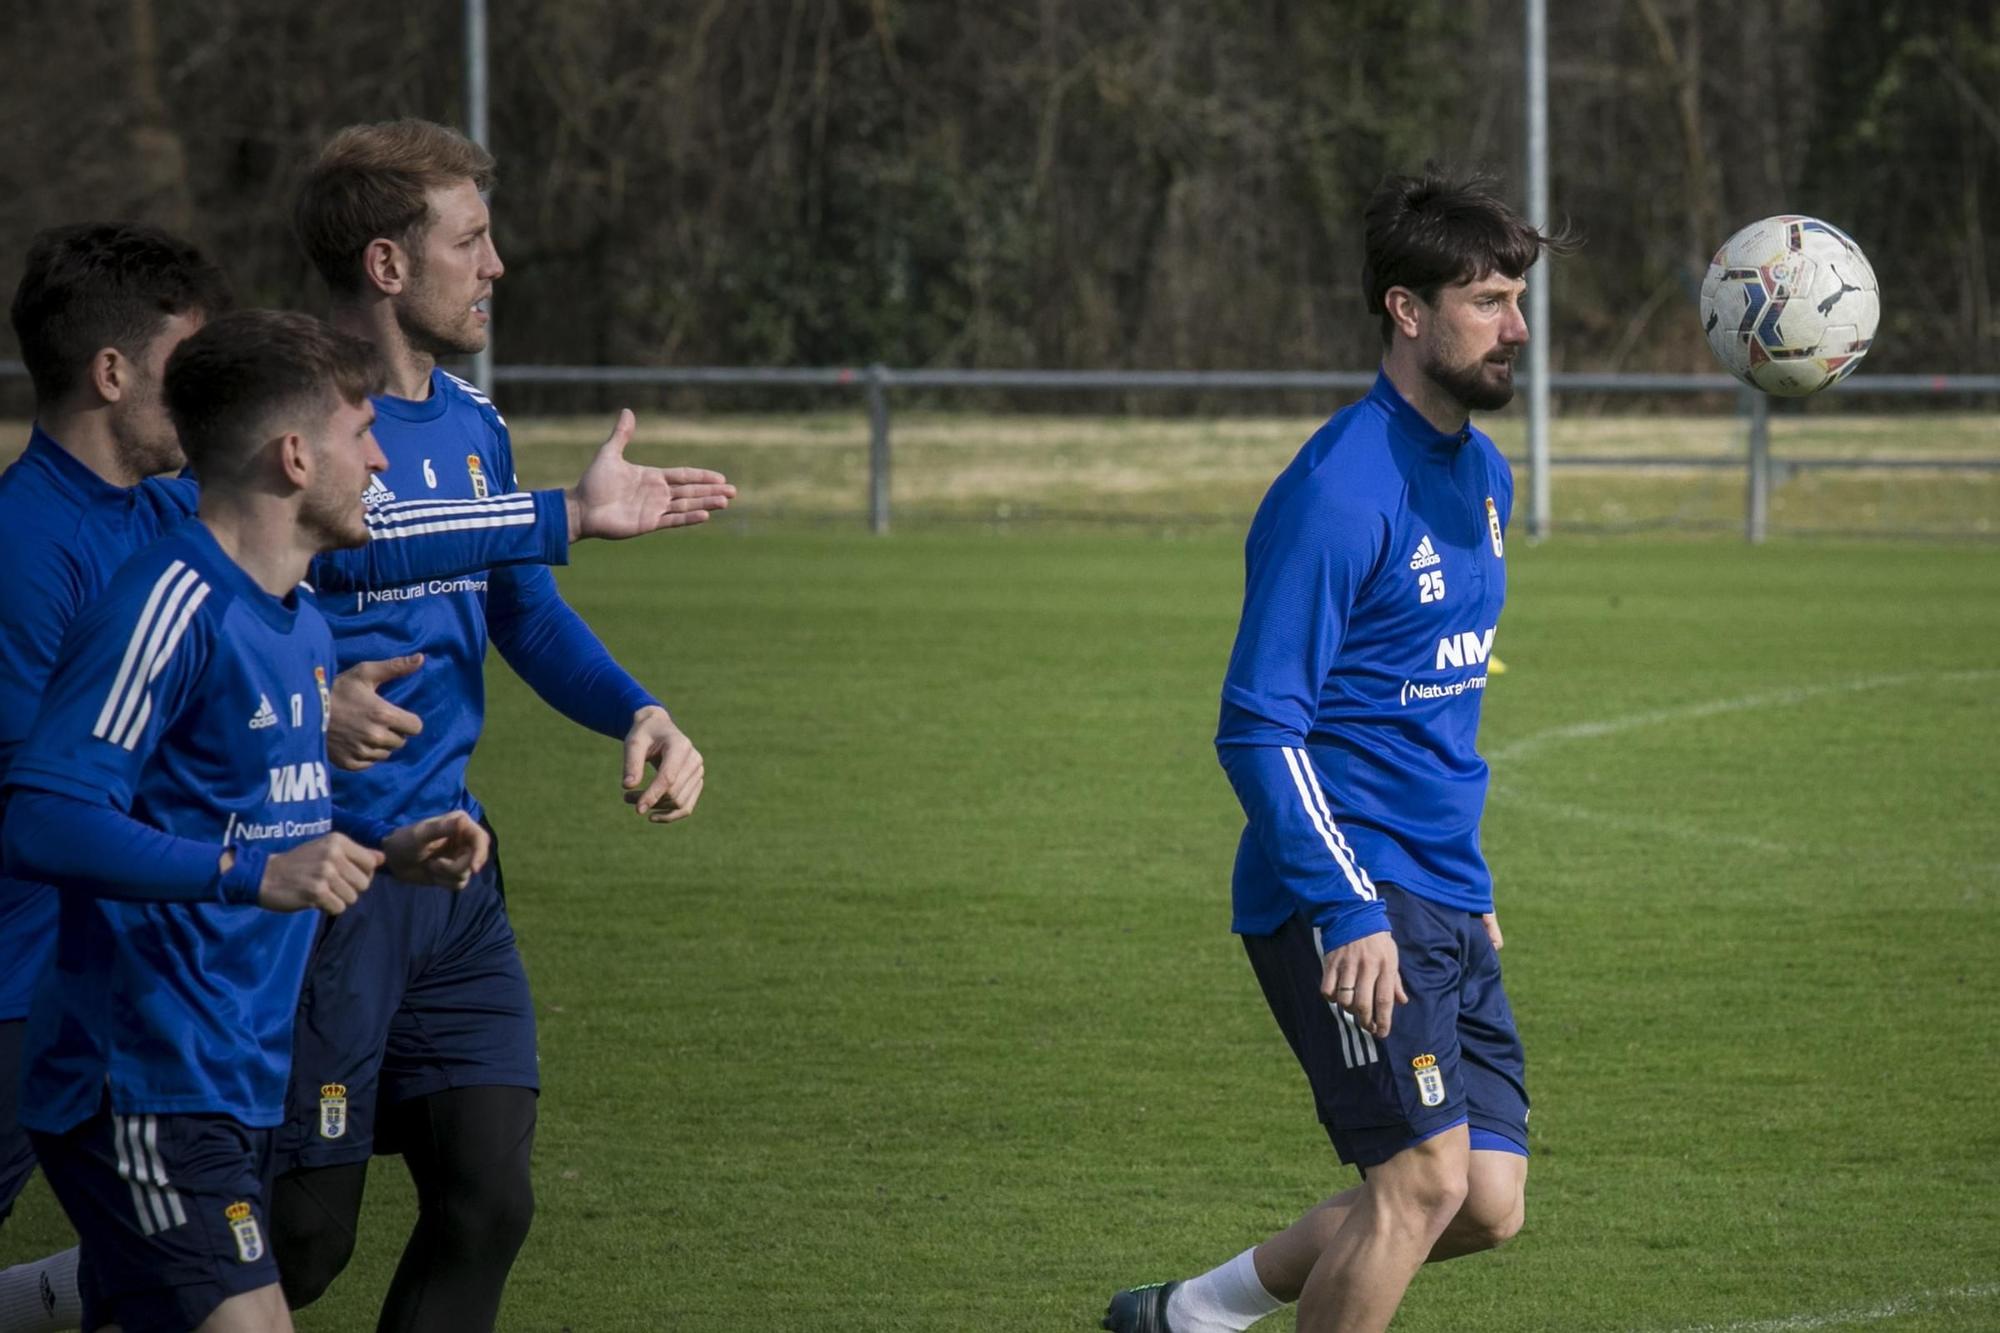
454,445
191,700
64,531
1374,574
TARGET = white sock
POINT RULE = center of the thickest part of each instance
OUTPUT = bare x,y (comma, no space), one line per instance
1223,1300
41,1297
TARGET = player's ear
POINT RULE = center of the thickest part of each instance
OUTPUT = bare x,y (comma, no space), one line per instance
295,459
385,266
109,374
1404,307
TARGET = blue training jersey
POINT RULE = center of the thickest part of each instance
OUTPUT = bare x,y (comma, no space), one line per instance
64,531
1374,574
193,700
454,444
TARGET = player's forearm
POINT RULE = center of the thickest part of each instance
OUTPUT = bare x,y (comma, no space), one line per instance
412,541
94,849
561,659
1293,823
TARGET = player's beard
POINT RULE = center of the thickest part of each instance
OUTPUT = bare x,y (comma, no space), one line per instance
143,435
433,323
334,517
1468,384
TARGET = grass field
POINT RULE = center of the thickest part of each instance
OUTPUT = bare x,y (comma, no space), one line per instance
930,1019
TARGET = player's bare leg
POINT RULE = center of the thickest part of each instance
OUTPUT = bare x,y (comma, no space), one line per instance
1399,1213
259,1311
1496,1184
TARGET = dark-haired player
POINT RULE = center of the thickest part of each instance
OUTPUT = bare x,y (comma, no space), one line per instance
1375,571
175,791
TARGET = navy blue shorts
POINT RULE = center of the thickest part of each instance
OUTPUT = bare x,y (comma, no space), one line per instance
17,1154
170,1213
1452,1055
412,991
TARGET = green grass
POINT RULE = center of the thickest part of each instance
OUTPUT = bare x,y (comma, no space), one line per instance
930,1018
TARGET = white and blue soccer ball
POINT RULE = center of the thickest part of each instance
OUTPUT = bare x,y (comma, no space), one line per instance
1789,305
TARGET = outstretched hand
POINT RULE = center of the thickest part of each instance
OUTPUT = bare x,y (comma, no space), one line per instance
678,773
446,850
616,499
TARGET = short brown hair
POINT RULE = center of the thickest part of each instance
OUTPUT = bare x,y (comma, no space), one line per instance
371,182
227,381
1432,231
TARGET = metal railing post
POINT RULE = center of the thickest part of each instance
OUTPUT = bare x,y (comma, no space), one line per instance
878,449
1757,485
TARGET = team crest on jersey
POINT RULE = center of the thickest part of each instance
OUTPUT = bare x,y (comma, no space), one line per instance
332,1110
1493,527
1430,1083
243,1225
325,697
477,472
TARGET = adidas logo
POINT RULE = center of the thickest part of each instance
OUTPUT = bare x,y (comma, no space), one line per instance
377,493
1426,555
265,716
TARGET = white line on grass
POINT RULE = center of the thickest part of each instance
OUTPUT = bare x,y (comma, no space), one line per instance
1648,825
1916,1302
1598,728
1796,694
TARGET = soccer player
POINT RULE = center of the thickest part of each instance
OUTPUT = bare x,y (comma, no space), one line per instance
175,789
1375,570
416,1031
99,308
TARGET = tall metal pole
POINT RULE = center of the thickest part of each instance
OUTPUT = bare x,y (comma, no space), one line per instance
1537,70
475,129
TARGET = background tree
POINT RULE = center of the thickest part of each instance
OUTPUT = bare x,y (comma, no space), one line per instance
1039,182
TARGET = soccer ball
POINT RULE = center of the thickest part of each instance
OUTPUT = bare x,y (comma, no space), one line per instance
1789,305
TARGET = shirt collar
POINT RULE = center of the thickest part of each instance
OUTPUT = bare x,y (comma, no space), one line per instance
280,613
67,469
412,409
1410,423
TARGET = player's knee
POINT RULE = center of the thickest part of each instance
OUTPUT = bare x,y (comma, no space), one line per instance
1427,1188
313,1215
1487,1223
494,1218
311,1251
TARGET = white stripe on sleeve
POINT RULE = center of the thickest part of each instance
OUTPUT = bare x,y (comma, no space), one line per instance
1319,797
1300,765
404,511
129,737
139,632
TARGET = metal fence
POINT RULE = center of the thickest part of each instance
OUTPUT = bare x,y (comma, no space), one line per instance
875,384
